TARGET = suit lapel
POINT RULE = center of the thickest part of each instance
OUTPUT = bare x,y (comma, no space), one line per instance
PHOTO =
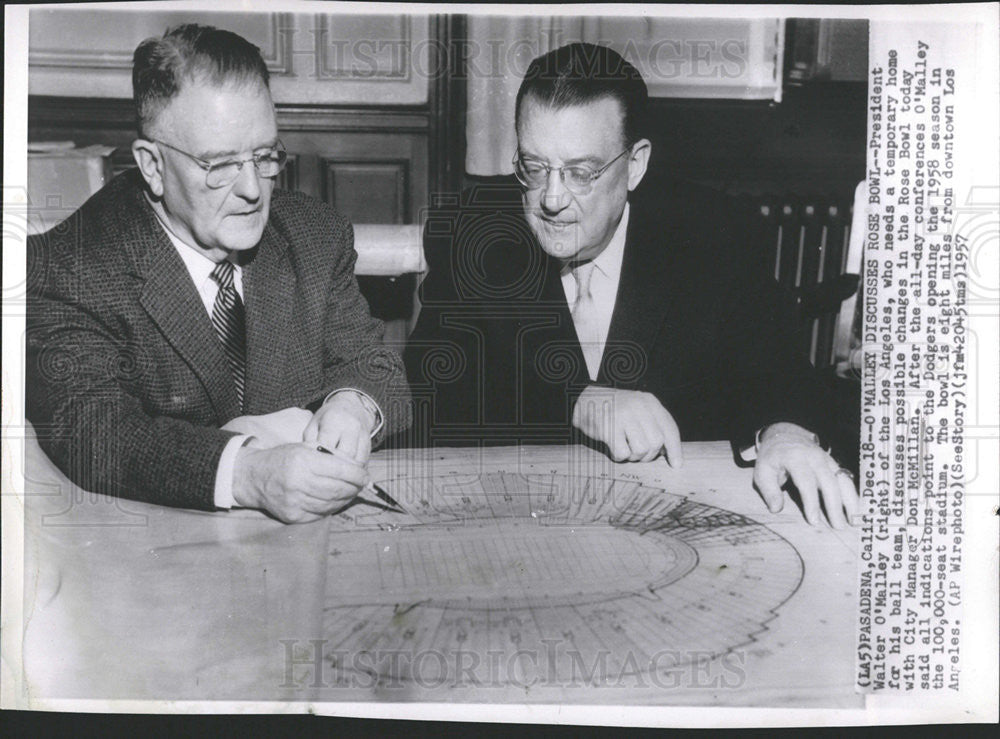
647,292
173,303
169,297
268,290
564,332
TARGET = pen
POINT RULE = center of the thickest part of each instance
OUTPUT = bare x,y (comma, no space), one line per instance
370,487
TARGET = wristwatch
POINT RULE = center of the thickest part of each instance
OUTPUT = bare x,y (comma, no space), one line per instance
367,403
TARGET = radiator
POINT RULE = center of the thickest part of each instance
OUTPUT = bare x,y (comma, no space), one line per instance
805,242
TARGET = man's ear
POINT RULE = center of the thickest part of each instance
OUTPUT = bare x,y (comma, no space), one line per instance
150,162
638,160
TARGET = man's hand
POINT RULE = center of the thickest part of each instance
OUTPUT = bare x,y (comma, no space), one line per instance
294,482
633,424
788,452
345,423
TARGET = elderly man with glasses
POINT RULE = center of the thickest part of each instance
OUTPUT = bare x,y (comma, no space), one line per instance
190,294
572,309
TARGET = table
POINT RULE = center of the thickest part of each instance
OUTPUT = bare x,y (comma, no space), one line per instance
125,600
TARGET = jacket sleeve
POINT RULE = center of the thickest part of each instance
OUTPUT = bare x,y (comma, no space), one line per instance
440,363
80,375
354,355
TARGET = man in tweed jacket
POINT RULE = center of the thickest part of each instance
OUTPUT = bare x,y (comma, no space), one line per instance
128,382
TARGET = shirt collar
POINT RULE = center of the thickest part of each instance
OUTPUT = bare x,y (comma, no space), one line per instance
609,261
198,265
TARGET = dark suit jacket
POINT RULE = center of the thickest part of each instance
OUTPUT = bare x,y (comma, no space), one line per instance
127,382
698,323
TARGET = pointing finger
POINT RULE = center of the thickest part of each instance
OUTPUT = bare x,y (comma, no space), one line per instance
767,479
672,441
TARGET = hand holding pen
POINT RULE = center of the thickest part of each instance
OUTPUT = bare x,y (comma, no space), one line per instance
387,502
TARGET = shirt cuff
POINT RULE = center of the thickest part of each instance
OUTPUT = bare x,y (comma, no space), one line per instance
749,453
368,401
224,475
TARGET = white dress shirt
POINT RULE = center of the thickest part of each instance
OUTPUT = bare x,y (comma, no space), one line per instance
603,282
200,268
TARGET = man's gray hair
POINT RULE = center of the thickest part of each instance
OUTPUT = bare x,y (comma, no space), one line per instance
161,65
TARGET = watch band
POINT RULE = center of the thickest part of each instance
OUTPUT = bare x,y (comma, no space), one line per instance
369,404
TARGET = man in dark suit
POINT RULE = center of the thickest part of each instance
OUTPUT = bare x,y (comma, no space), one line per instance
189,293
564,310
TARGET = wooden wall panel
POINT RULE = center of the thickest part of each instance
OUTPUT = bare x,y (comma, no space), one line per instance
328,58
372,164
377,188
372,192
77,39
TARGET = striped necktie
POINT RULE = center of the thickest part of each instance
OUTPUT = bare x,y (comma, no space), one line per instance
229,320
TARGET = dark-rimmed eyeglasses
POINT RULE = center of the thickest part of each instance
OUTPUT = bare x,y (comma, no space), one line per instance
221,174
578,178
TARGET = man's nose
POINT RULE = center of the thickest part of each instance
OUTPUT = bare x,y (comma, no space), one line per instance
555,196
247,185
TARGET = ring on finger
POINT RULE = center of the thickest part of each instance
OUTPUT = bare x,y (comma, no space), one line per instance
845,472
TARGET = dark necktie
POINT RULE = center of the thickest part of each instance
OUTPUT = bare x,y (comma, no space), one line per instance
229,320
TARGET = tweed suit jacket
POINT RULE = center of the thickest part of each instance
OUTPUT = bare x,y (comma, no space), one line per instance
127,382
697,322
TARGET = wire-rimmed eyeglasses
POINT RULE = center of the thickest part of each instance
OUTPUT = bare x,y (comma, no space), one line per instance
221,174
578,178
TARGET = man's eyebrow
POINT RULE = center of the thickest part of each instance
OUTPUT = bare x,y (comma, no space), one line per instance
217,154
230,153
591,160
